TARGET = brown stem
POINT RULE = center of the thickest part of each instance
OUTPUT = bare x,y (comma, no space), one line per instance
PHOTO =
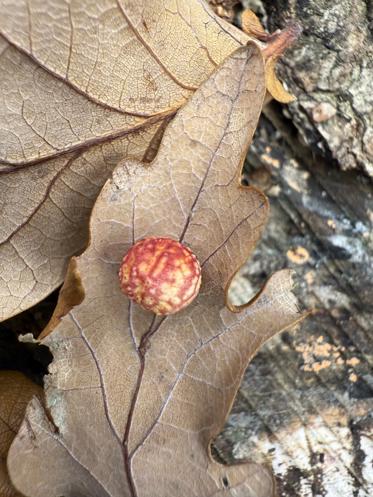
279,41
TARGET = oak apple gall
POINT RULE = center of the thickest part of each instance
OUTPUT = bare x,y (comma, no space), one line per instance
160,274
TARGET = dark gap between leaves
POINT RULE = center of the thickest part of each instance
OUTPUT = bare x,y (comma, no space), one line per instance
31,359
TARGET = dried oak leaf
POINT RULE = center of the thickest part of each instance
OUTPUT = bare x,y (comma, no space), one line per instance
134,400
83,85
16,391
252,26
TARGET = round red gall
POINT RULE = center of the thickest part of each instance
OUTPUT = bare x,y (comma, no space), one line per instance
160,274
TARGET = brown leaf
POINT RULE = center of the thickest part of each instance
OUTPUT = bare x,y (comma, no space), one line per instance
82,86
274,85
253,27
16,391
133,399
71,294
225,8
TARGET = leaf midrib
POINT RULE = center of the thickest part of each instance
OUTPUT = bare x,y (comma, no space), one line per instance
14,167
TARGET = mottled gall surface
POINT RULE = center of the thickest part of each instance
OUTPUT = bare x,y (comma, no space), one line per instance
160,274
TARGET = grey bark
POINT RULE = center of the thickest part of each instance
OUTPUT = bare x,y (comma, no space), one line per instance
330,70
305,404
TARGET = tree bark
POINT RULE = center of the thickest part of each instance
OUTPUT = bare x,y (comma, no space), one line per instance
330,70
304,405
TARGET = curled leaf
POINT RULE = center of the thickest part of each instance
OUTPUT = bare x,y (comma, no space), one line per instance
134,400
276,44
274,85
251,25
71,294
16,391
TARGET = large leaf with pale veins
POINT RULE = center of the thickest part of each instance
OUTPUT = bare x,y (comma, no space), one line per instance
16,391
134,400
84,84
